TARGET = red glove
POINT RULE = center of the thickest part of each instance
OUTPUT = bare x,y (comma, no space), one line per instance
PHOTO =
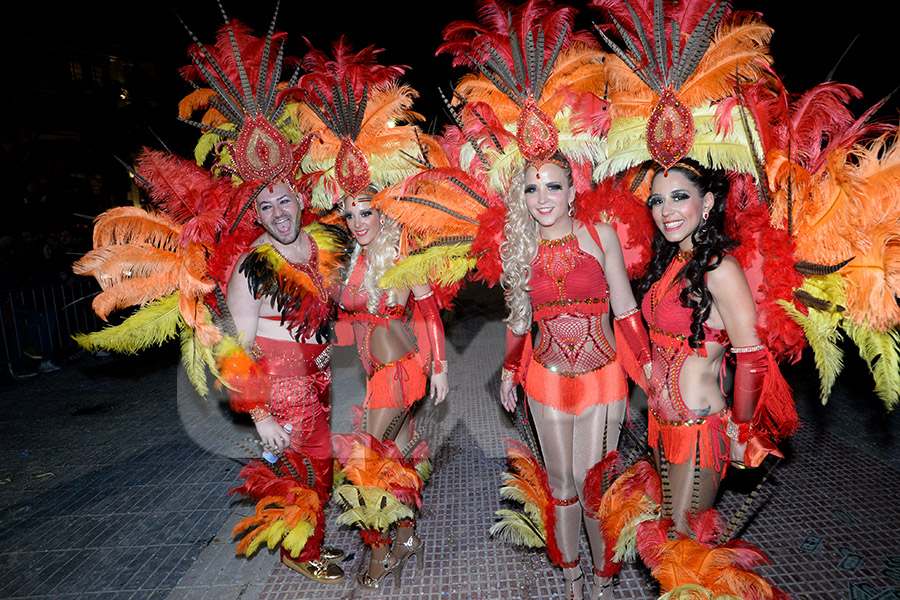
515,346
434,328
634,332
750,373
633,346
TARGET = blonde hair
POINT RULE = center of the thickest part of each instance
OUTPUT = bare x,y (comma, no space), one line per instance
381,254
517,254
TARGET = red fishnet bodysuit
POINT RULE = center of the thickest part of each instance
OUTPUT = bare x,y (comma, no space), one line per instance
569,294
365,324
669,323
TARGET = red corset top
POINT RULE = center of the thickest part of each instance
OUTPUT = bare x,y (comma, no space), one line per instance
566,280
668,320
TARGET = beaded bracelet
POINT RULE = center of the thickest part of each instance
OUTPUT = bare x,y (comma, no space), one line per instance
627,313
259,413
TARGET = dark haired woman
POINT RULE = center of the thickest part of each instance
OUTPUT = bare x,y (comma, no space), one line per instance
697,303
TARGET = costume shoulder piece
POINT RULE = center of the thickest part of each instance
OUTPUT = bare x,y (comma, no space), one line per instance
302,292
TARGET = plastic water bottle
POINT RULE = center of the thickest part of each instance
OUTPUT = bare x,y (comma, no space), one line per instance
268,456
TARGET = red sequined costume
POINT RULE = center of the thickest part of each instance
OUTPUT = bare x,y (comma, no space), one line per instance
395,384
670,419
763,412
290,380
300,381
574,365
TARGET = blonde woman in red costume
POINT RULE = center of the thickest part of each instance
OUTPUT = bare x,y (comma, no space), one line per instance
567,277
395,374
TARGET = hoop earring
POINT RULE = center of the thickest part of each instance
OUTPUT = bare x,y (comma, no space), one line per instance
571,210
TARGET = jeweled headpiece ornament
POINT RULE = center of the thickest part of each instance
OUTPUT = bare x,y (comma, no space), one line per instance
243,104
668,81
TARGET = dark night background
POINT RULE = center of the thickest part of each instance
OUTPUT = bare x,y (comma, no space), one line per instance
64,118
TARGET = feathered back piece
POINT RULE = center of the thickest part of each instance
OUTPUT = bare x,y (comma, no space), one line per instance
677,61
242,73
537,89
834,182
440,212
355,108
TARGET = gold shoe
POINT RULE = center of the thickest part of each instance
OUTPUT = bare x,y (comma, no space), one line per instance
320,571
374,583
331,554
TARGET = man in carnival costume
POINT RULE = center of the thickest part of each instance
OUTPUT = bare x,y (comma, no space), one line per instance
280,300
268,342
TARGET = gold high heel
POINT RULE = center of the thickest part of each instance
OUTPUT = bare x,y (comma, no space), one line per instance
374,583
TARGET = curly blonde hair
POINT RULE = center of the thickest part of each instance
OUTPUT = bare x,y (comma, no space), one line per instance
381,254
516,254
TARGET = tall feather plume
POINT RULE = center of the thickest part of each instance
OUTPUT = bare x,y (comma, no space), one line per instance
151,325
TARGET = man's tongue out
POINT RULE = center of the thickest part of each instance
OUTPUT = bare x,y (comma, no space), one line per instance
283,226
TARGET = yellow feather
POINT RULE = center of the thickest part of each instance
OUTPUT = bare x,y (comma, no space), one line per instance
519,529
423,468
276,531
370,507
151,325
627,145
261,537
197,358
822,334
513,493
880,351
295,541
441,264
326,240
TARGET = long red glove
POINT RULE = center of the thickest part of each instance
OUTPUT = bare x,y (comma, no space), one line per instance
763,403
515,346
750,373
633,346
434,328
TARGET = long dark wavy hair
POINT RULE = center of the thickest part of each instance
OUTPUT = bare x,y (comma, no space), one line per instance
710,247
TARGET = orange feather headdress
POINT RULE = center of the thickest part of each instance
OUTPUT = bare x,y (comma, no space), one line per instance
362,119
676,64
537,90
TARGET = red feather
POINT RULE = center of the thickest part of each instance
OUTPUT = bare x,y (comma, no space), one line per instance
361,69
251,50
494,30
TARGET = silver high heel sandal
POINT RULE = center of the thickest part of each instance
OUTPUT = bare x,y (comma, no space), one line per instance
575,586
414,547
374,583
599,589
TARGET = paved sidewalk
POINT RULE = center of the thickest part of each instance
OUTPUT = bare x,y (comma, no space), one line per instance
114,475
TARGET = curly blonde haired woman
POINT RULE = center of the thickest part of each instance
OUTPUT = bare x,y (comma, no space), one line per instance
396,375
565,276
